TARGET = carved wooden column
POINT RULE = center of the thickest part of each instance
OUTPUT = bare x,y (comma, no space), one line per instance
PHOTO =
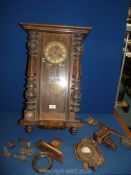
30,92
75,94
77,53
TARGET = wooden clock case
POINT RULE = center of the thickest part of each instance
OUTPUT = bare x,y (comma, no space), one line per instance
47,105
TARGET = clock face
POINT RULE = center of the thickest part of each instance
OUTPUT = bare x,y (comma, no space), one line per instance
55,52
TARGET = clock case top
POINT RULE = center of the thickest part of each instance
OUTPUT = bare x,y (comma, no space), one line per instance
37,96
56,28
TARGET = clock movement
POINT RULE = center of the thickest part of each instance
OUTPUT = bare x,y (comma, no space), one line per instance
52,93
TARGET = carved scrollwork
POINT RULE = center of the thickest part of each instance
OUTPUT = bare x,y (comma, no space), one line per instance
30,92
78,45
32,44
77,53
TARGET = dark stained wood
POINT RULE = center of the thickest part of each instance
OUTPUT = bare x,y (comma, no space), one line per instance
56,28
53,124
52,94
51,148
123,125
89,152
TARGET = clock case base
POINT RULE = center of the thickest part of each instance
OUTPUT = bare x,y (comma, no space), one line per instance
53,124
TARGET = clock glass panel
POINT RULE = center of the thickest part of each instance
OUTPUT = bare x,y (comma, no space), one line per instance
55,81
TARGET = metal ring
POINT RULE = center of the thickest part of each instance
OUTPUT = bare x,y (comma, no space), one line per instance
37,157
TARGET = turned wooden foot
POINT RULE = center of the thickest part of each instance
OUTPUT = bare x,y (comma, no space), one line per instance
73,130
29,129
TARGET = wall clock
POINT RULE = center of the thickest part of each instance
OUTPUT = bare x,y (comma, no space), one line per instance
52,93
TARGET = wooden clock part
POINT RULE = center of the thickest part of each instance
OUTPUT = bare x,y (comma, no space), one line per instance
24,143
102,135
51,148
49,151
52,94
11,143
88,151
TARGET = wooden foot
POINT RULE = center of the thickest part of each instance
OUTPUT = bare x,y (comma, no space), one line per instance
73,130
29,129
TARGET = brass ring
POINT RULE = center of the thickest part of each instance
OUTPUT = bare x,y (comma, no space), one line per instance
37,157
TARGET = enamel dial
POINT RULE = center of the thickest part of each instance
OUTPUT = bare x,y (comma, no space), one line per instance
55,52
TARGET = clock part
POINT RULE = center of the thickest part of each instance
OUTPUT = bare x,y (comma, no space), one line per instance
102,135
55,52
88,151
52,91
